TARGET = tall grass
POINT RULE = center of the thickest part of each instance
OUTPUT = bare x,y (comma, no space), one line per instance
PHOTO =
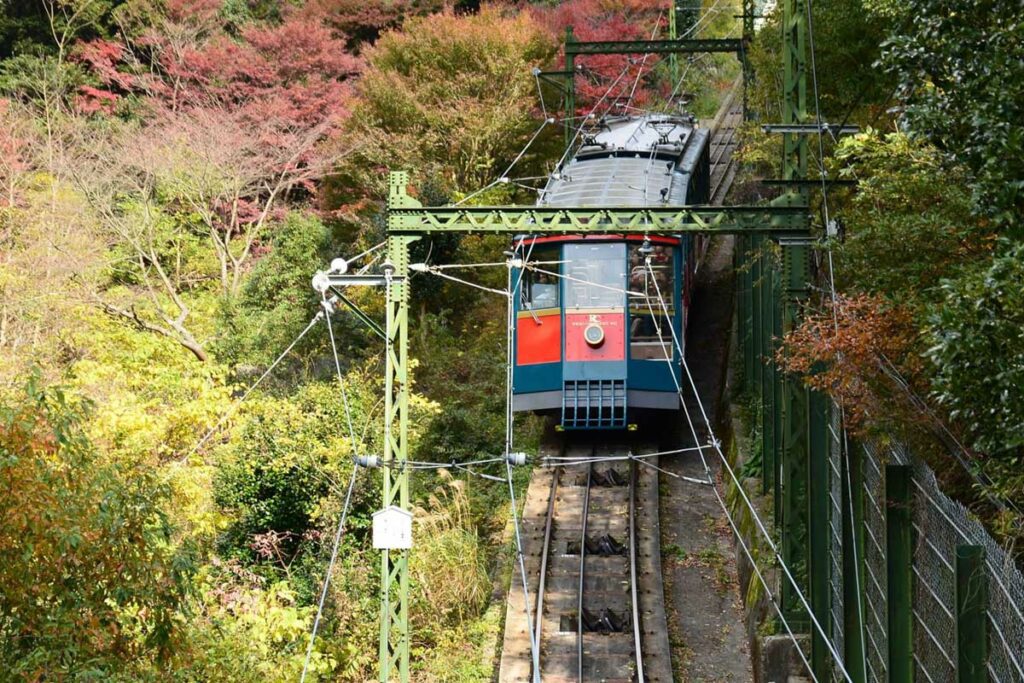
449,560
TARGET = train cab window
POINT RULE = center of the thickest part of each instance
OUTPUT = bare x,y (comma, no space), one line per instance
596,276
652,305
540,286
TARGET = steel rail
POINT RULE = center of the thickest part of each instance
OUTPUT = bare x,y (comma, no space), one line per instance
633,581
545,553
724,143
583,560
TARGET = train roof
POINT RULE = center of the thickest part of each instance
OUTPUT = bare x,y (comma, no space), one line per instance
630,161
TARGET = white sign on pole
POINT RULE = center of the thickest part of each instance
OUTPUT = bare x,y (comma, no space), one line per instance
392,529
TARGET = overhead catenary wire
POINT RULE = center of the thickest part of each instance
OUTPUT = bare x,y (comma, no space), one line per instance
743,494
327,307
643,62
503,178
576,135
330,570
435,271
835,314
707,471
509,440
234,406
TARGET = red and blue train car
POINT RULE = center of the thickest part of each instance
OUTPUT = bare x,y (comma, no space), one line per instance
600,320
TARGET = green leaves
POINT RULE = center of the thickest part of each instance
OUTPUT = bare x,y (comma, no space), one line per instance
451,96
978,352
909,224
962,76
88,577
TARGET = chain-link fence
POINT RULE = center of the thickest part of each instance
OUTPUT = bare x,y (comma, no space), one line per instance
940,525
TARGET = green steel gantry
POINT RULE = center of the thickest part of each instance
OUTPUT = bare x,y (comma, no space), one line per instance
671,47
770,302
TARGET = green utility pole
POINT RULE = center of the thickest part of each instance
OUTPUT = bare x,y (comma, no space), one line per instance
748,39
681,20
796,274
394,617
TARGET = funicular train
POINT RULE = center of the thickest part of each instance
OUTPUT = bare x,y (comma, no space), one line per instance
594,320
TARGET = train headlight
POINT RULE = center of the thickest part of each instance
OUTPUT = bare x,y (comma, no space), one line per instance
594,335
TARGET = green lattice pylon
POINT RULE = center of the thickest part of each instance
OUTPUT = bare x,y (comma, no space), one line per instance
394,617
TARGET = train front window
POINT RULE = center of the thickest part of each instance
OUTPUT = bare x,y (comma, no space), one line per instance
540,283
652,304
595,275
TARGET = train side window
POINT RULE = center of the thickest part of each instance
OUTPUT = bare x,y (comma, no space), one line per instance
540,284
650,313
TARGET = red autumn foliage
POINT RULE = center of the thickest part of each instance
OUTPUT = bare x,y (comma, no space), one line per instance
295,72
90,100
608,20
278,90
858,350
13,156
364,20
236,119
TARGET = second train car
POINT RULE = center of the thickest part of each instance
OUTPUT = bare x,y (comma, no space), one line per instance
595,315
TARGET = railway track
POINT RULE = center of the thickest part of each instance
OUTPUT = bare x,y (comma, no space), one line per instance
594,571
723,144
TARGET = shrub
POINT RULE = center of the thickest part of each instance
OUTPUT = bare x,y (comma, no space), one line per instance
88,577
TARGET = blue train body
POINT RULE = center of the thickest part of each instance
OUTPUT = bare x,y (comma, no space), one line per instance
598,318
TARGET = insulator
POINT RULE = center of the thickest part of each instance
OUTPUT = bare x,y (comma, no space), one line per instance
387,267
518,458
321,282
339,266
371,461
419,267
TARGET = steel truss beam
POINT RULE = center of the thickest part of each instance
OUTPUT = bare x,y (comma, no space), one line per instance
407,221
672,47
406,216
664,47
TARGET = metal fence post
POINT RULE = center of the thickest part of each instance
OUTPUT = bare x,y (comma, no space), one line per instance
971,615
818,509
899,570
777,395
768,459
851,471
743,299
